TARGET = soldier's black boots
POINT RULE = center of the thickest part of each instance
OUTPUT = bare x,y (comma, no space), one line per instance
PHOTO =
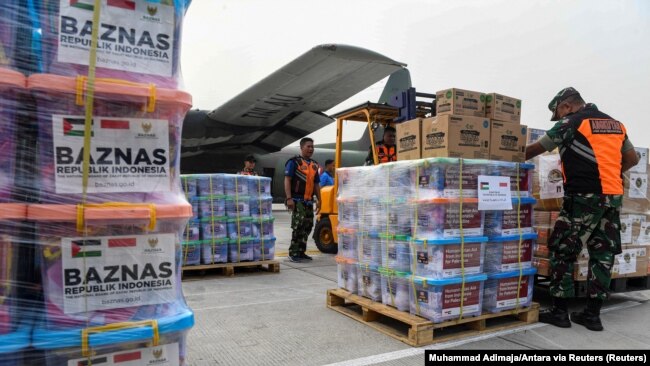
590,316
558,315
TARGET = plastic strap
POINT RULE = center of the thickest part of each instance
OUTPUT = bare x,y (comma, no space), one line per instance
237,211
82,81
521,237
415,295
259,194
81,210
90,99
212,249
85,333
462,240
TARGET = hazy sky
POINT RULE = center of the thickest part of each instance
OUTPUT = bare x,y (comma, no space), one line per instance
521,48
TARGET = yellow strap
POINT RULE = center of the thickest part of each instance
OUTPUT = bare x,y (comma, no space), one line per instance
521,272
82,83
462,241
90,98
259,194
85,333
237,212
81,209
415,295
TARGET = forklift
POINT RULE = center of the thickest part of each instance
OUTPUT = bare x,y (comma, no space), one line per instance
402,107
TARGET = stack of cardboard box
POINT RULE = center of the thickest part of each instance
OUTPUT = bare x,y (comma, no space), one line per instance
469,125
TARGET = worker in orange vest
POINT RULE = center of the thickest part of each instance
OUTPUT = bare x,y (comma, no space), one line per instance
386,149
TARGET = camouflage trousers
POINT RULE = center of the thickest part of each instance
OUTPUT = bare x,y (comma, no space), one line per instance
591,220
302,221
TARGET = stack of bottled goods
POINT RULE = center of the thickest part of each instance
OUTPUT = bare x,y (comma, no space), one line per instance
411,236
232,219
91,210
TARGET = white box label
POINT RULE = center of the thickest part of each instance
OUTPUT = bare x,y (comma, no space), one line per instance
134,35
127,155
111,272
494,193
165,355
638,185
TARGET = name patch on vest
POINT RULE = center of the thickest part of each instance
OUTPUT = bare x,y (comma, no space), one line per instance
606,126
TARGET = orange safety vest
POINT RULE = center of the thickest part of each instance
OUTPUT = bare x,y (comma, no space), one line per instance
591,161
303,178
386,154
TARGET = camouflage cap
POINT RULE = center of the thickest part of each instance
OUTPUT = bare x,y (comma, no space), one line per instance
559,98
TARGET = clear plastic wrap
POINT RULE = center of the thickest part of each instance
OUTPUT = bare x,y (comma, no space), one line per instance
136,136
346,270
12,84
420,222
93,214
395,252
235,217
508,253
369,282
500,290
440,300
395,288
138,40
441,218
519,220
445,258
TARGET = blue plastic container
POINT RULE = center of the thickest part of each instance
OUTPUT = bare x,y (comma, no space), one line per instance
259,186
65,346
441,258
14,343
214,205
395,252
236,185
501,293
263,228
214,251
238,206
439,300
267,249
214,228
192,253
504,253
261,207
189,186
243,250
240,228
210,184
511,222
369,282
369,248
192,231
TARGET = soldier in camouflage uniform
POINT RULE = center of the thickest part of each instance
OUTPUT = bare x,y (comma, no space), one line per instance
301,184
595,151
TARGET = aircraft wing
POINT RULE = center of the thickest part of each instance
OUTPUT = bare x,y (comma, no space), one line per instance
288,104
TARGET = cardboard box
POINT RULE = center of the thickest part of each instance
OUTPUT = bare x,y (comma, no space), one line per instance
543,235
642,166
508,141
542,219
502,108
460,102
534,134
543,266
408,140
541,250
456,136
632,262
626,230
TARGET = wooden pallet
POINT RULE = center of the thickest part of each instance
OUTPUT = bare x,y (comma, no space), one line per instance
417,331
228,269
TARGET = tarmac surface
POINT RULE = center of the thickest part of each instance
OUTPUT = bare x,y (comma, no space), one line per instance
281,319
